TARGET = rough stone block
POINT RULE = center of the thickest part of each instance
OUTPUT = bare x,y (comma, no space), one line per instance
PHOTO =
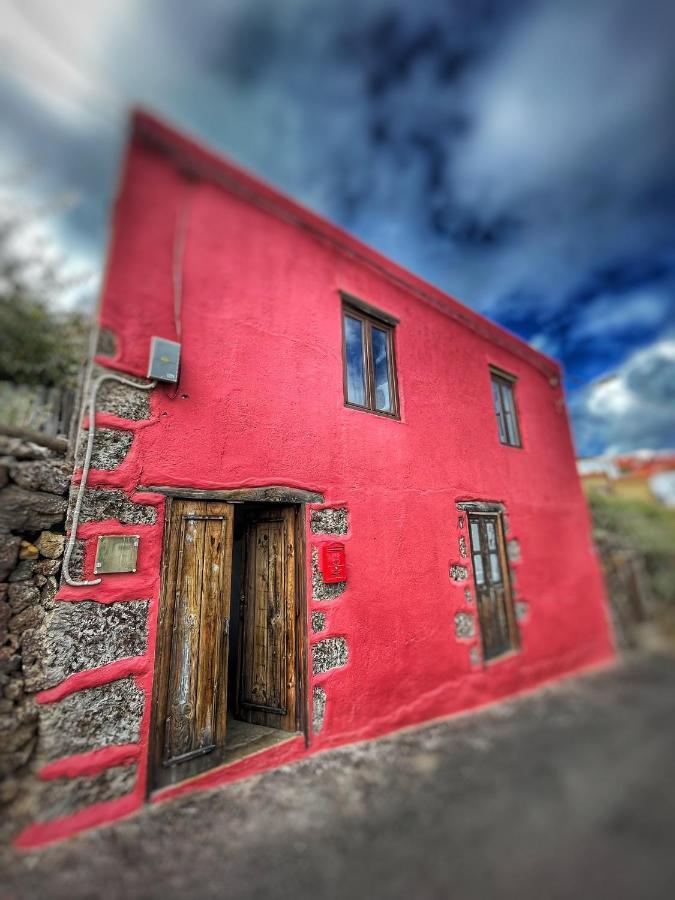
321,590
333,520
47,567
462,546
458,573
21,595
112,504
318,621
123,401
65,796
9,553
50,475
92,718
22,510
24,571
86,634
465,626
474,656
111,446
318,708
51,544
330,653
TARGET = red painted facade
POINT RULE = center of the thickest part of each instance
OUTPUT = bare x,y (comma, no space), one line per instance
260,402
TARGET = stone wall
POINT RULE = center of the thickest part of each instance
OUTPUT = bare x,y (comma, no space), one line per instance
34,482
69,719
329,651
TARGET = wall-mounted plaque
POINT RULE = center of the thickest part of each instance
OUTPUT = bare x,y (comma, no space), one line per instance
116,553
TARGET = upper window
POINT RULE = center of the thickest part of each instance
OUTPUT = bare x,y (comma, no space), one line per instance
369,365
505,408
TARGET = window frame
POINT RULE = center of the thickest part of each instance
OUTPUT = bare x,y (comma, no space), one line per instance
502,380
369,318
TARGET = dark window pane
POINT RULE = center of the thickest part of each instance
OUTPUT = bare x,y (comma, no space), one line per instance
356,385
510,414
381,367
498,412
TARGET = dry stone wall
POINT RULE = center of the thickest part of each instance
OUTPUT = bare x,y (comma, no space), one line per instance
34,482
63,702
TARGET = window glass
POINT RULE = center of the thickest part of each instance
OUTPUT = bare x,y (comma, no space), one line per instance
369,377
509,414
498,411
478,568
492,542
495,570
356,384
505,411
381,368
475,536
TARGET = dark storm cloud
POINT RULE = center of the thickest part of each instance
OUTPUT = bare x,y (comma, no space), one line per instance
518,154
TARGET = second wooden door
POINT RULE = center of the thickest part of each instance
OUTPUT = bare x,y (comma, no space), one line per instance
267,667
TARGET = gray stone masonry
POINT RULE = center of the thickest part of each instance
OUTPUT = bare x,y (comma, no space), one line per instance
318,621
334,520
65,796
111,446
120,400
464,625
318,708
330,653
458,573
92,718
113,504
85,635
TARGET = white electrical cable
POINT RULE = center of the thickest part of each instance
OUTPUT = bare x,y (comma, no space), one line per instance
85,471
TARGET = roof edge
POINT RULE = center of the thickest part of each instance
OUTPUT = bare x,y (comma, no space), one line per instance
198,160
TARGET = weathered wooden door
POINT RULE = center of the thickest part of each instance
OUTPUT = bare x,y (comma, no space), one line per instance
190,695
267,645
493,590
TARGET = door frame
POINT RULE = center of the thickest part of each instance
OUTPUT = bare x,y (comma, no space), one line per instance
486,509
274,496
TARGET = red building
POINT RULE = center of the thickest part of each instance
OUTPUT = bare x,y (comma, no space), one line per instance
356,510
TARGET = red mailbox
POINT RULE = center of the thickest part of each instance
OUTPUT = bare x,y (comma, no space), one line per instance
333,567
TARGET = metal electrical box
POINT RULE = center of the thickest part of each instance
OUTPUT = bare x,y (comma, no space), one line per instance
164,360
116,553
333,564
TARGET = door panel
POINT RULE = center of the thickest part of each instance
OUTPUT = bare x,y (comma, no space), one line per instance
493,590
190,692
267,654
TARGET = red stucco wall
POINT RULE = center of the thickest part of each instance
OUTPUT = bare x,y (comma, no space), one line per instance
260,402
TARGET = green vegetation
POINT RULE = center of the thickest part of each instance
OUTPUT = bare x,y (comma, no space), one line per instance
647,528
40,342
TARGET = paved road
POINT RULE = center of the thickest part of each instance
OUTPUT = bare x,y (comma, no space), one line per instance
569,792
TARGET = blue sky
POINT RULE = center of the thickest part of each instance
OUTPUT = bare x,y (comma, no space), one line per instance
520,155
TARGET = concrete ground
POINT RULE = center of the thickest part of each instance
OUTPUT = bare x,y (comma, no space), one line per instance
569,792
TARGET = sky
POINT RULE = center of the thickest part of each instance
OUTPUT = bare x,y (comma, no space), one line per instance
519,154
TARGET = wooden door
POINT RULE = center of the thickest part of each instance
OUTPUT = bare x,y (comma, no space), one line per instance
267,671
493,590
190,691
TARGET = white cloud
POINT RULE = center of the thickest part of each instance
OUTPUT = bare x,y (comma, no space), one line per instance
610,315
635,407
